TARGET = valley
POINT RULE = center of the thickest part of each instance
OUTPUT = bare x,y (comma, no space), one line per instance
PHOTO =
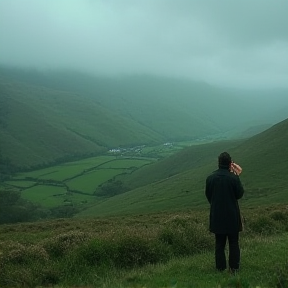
75,183
114,116
52,117
114,187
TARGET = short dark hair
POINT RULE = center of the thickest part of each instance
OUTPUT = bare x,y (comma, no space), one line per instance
224,159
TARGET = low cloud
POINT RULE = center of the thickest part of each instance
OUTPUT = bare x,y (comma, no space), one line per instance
241,43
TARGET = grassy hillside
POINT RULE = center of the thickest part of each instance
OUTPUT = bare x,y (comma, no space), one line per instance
263,158
39,125
155,250
191,157
175,108
53,115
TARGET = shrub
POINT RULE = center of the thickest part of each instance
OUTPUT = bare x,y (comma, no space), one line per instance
21,265
20,254
264,225
96,252
111,188
64,211
47,276
125,252
134,251
186,237
175,240
29,275
11,277
59,245
281,217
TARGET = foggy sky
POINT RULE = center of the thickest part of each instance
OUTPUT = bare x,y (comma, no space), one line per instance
241,43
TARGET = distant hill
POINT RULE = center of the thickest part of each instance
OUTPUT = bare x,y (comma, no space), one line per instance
175,108
39,125
53,115
251,131
192,157
264,159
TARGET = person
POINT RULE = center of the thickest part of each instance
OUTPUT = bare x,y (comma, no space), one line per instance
223,189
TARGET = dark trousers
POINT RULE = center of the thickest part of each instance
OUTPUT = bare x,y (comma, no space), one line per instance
234,251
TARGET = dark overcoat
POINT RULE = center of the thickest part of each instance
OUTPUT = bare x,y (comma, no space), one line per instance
223,189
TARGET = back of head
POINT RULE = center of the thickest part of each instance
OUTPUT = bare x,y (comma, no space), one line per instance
224,160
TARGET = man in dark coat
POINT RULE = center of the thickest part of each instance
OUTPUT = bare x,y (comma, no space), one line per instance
223,189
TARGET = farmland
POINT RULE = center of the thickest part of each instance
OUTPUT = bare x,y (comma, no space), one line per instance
155,235
75,183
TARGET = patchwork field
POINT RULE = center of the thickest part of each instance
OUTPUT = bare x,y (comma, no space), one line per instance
74,182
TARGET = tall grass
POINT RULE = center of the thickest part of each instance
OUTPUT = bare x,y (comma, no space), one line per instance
143,251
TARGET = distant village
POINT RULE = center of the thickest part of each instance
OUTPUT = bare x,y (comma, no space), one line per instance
134,150
119,150
138,150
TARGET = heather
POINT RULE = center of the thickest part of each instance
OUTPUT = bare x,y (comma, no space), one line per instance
106,252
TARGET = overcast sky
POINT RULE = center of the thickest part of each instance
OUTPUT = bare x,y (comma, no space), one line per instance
240,43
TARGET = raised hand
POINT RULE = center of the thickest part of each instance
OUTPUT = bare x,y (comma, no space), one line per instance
235,168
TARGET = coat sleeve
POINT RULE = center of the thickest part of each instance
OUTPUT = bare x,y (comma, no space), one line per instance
208,191
239,192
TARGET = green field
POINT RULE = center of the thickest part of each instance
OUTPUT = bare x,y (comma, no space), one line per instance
66,170
88,182
73,182
21,183
169,183
48,196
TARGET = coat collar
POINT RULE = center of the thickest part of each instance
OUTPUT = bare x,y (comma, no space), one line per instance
221,166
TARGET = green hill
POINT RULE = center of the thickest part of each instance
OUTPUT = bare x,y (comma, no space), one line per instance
263,158
39,125
192,157
175,108
55,115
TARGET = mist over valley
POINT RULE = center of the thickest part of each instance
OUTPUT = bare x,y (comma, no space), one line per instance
54,114
51,117
113,114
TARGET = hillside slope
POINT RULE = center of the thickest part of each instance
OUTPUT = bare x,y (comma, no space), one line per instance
62,114
175,108
192,157
264,159
39,125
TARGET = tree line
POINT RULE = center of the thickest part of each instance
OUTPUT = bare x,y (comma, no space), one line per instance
15,209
